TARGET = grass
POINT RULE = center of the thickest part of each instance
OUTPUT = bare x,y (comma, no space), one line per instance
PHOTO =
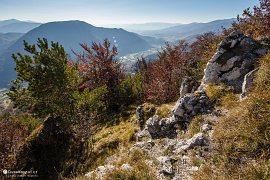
194,127
216,92
110,139
164,110
140,169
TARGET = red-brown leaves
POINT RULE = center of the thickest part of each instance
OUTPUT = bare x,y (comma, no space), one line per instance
98,67
162,78
256,22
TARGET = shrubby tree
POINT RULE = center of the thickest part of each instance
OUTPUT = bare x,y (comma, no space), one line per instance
49,81
256,22
98,67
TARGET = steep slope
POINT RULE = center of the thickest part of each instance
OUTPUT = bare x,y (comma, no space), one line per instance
70,34
188,31
210,133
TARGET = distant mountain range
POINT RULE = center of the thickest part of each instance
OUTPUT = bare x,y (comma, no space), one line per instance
138,28
16,26
70,34
189,31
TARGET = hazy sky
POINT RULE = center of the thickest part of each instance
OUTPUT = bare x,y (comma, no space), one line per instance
100,12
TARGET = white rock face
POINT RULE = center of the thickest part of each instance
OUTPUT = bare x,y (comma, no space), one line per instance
235,57
197,140
248,83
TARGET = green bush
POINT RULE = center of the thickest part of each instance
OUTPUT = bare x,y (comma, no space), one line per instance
49,78
92,103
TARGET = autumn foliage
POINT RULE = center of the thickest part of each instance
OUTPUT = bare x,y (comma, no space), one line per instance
98,66
162,78
256,22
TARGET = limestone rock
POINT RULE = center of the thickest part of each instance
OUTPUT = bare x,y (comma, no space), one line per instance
140,115
161,128
197,140
143,145
206,127
190,105
236,55
188,85
126,167
143,112
248,82
100,172
166,167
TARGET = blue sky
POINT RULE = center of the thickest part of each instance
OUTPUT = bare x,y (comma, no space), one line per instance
100,12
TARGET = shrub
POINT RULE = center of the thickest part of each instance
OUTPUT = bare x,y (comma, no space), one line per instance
255,22
161,79
92,103
98,67
50,81
61,146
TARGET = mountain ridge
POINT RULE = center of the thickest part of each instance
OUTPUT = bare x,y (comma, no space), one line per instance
185,30
70,34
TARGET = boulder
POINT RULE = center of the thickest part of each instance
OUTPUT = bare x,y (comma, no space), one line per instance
188,85
236,55
248,83
197,140
190,105
161,128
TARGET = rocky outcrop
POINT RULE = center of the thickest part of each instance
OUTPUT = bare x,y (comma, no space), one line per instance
186,107
197,140
236,55
157,128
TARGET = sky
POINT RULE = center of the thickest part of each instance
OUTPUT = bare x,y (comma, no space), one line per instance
102,12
